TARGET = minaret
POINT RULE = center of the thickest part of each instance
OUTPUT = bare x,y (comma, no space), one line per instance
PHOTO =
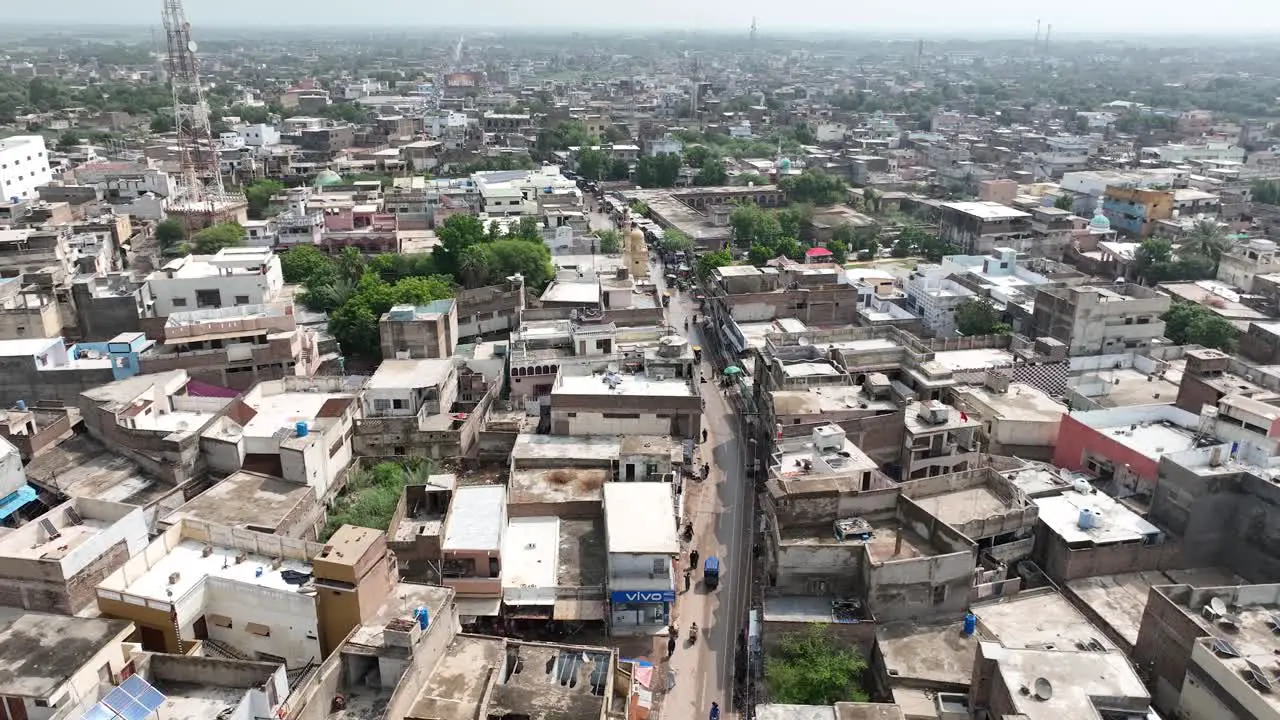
637,253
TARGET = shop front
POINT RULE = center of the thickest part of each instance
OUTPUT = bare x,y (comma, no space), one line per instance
637,612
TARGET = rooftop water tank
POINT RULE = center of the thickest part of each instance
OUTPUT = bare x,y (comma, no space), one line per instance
301,428
1086,520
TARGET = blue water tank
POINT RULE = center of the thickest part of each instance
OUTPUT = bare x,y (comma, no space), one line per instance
301,428
22,406
970,624
423,617
1086,519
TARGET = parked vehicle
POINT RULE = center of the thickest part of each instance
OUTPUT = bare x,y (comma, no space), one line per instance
711,572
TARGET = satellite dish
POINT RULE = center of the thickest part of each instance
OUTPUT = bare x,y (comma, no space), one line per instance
1043,689
1217,606
192,46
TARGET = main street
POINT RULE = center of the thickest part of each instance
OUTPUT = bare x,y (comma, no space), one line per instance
720,508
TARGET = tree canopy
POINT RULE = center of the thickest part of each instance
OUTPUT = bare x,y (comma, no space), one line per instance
215,237
610,242
259,195
709,261
1155,262
815,187
977,316
811,668
1194,324
658,171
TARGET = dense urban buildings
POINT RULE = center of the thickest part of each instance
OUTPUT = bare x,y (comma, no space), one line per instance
607,376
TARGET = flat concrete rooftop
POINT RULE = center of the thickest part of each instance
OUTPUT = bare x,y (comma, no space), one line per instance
196,701
1119,600
961,506
557,485
40,652
883,545
401,603
634,385
245,499
188,563
82,467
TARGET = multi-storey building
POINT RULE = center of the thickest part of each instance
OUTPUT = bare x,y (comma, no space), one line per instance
24,166
233,277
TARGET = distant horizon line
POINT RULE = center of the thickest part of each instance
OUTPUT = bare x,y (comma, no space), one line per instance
1060,34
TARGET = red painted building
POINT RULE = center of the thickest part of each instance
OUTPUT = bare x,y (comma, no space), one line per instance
1124,444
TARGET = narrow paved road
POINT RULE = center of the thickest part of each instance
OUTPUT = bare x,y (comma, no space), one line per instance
721,509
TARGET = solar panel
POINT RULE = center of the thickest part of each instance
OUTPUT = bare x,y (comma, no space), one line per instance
1274,620
1224,648
142,693
99,712
133,711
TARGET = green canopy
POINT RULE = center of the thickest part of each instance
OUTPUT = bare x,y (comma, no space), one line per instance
732,370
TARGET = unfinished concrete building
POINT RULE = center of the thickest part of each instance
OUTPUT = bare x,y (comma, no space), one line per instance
1098,320
411,333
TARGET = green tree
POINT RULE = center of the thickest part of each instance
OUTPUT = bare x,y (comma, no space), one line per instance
1208,239
812,668
658,171
68,140
473,266
301,263
161,123
350,264
639,207
619,169
793,219
814,187
712,173
751,224
707,262
495,230
1193,324
750,179
170,233
259,195
593,164
215,237
457,233
696,155
1064,202
564,135
610,242
759,254
839,252
675,240
527,228
508,257
977,316
871,200
1264,191
355,323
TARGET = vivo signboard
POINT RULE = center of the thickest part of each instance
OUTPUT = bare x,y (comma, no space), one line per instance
642,596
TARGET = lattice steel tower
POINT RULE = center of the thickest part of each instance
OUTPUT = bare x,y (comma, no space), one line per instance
201,175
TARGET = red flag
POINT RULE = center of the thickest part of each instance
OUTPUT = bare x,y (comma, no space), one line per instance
963,416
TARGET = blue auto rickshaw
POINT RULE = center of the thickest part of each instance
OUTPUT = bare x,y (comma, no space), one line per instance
711,572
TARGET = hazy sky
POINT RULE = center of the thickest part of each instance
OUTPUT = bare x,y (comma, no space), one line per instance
950,17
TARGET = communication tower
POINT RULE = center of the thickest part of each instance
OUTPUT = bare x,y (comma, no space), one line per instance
202,200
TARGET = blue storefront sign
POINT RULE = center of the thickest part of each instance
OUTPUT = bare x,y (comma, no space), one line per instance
642,596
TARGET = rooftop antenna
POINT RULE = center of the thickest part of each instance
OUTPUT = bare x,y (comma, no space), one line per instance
753,29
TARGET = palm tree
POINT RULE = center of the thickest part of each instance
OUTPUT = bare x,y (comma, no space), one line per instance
473,265
1207,238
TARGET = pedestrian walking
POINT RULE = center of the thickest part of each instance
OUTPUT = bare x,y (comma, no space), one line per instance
688,575
693,559
671,647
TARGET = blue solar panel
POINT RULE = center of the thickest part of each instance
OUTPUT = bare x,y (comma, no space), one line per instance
117,699
141,692
134,685
99,712
151,699
133,711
